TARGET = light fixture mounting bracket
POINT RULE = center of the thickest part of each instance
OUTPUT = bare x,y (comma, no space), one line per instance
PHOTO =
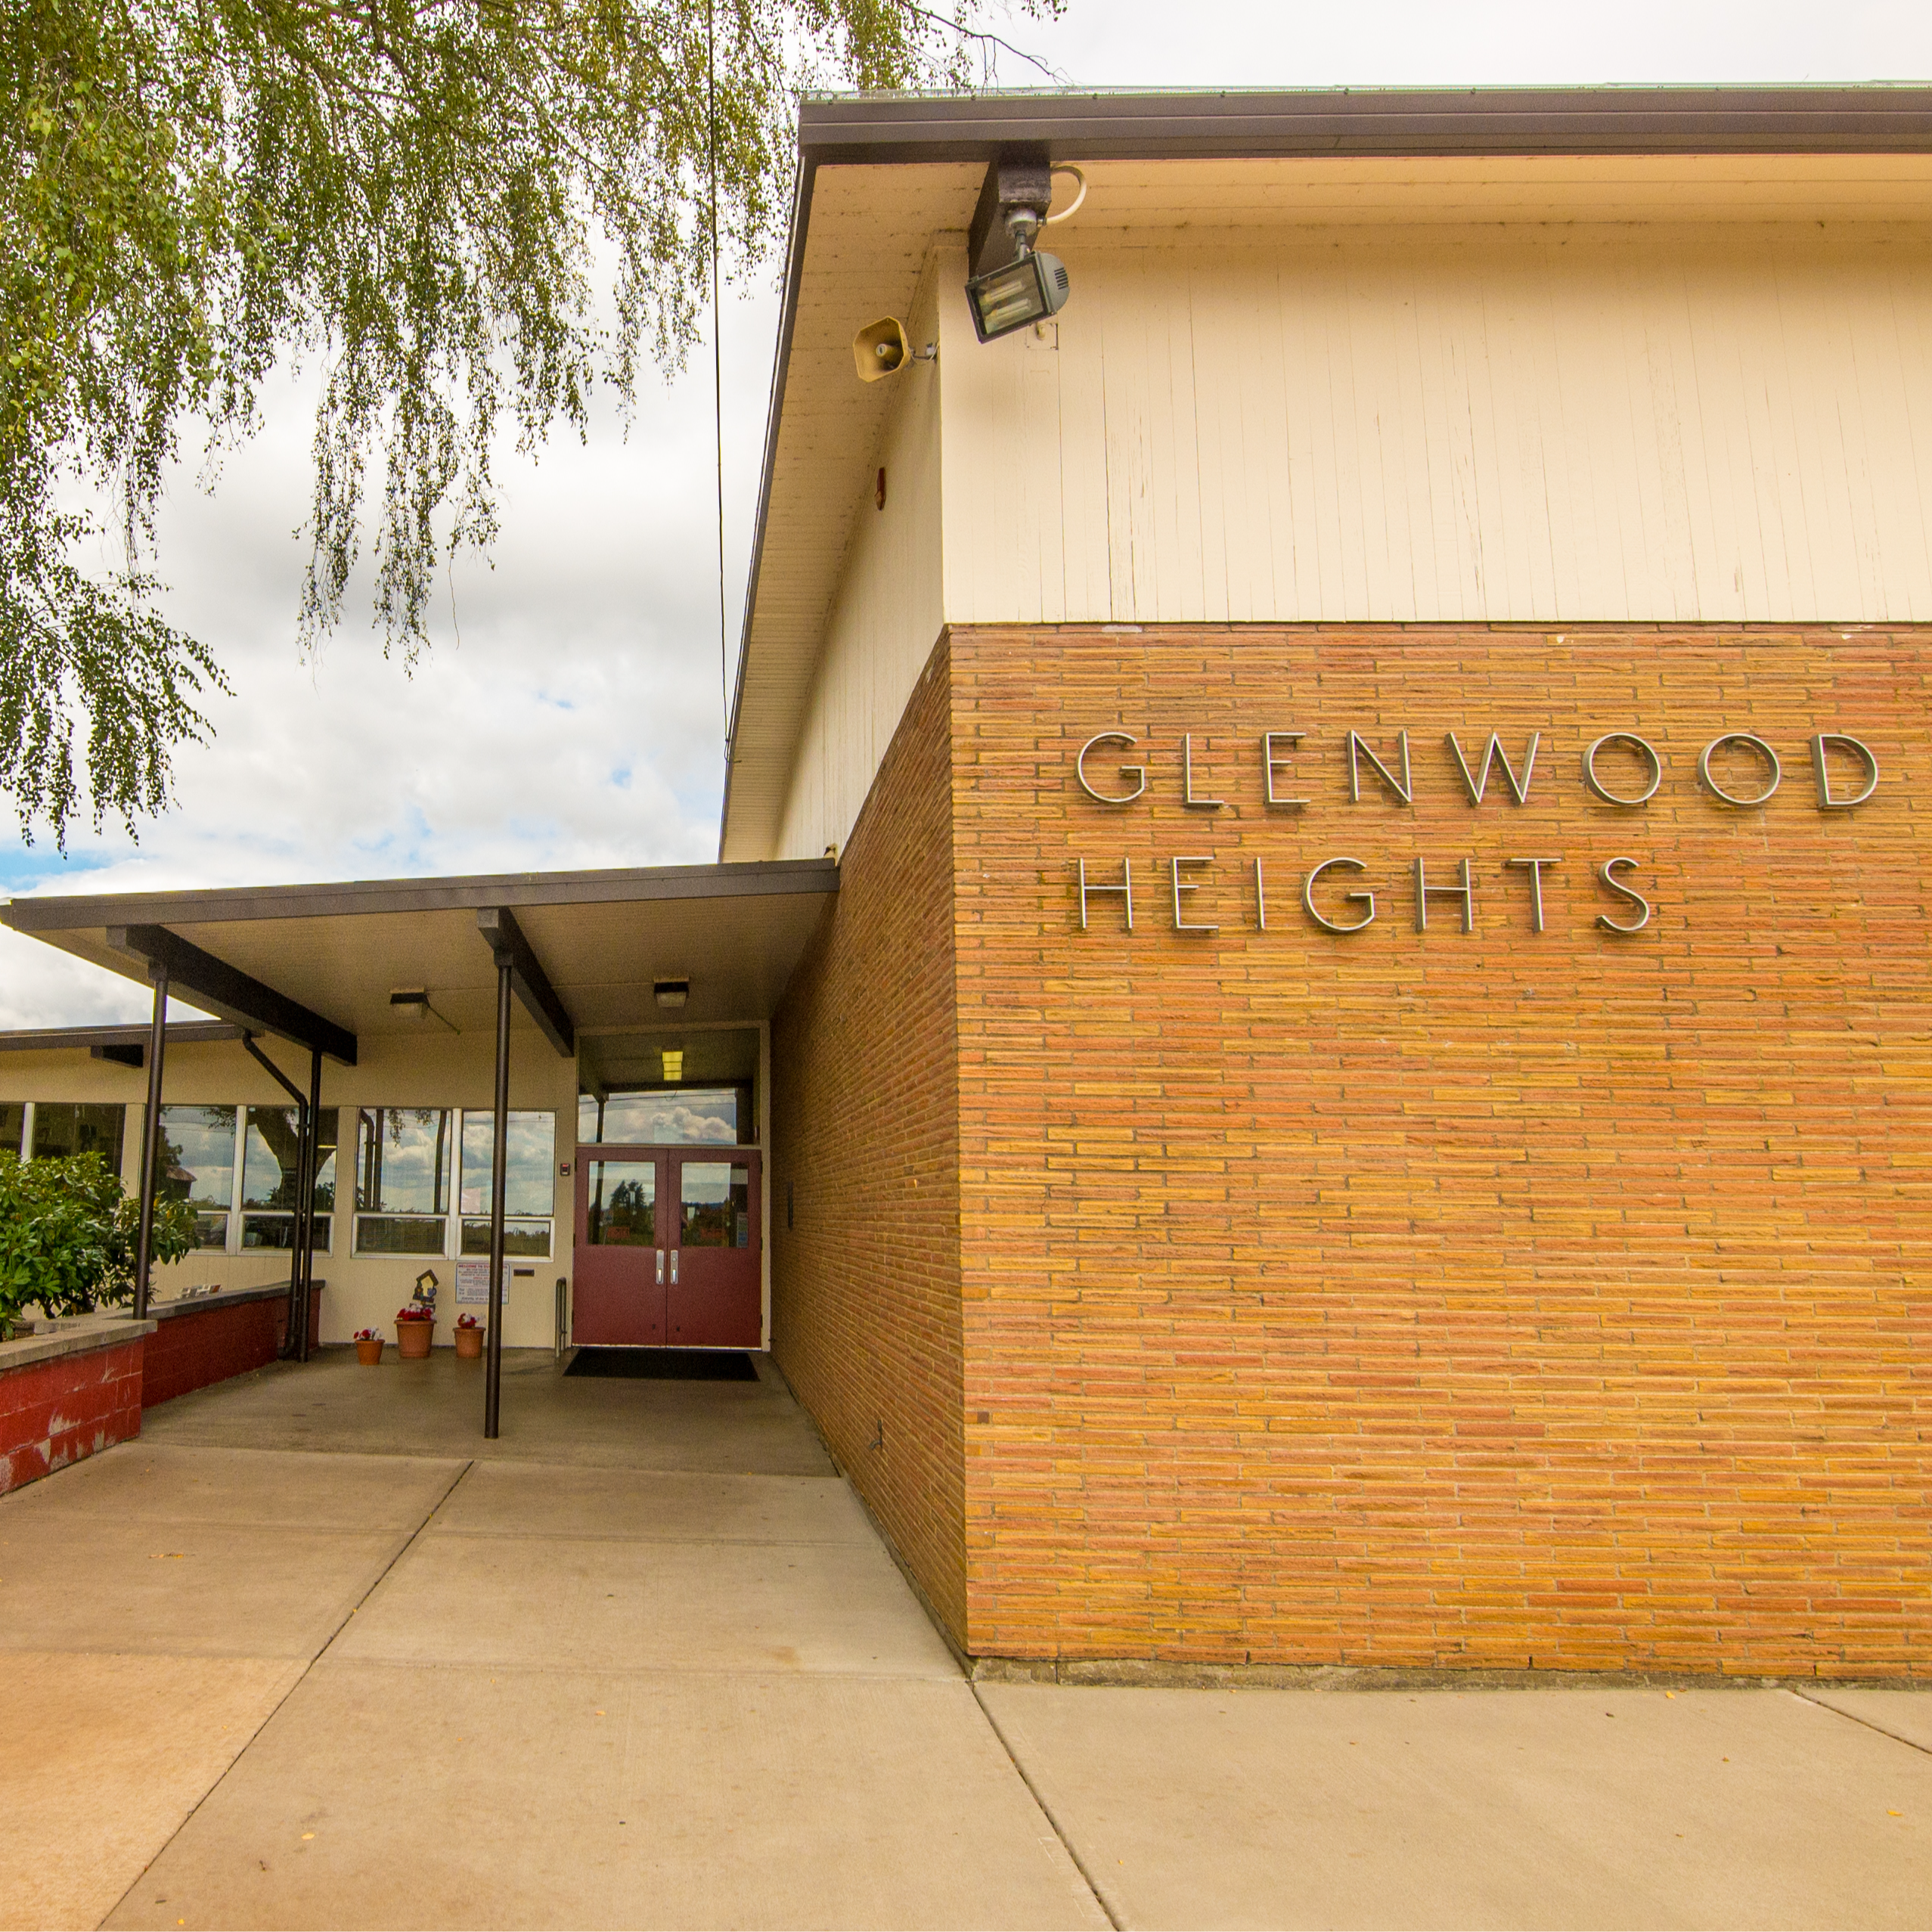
1013,201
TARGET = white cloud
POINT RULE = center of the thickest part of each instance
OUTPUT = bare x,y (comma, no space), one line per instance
1422,43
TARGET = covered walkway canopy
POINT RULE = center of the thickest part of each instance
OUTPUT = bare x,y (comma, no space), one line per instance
324,967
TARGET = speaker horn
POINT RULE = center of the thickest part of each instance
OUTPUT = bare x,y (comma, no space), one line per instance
880,349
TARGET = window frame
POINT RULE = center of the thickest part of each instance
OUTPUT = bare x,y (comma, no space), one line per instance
453,1217
240,1213
450,1173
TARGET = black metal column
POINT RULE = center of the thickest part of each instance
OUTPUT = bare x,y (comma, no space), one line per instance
304,1126
499,1160
151,1138
312,1167
305,1129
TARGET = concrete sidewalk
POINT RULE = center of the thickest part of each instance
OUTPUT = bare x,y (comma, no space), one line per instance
644,1662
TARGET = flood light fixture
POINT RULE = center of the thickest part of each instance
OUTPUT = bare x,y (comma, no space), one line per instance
671,992
1029,285
1025,291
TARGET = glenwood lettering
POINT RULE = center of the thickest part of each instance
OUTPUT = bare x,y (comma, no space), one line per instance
1738,770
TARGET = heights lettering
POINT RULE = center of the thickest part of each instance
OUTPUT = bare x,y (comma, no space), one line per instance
1738,770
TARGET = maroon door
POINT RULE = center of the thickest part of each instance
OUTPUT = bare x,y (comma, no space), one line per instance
667,1248
618,1300
712,1300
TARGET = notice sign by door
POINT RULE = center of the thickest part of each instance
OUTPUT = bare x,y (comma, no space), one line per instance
472,1283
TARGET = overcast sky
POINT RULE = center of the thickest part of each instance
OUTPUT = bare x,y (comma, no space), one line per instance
571,712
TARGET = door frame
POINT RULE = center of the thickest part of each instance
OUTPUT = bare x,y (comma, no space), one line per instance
668,1156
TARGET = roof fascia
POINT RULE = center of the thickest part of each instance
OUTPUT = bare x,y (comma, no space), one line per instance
70,1039
882,129
67,911
774,411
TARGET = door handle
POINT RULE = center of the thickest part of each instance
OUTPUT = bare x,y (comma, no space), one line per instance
660,1267
673,1267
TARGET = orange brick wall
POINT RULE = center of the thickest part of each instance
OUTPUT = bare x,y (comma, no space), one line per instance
865,1281
1493,1298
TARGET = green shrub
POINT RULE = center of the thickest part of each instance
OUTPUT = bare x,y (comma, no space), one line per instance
68,1235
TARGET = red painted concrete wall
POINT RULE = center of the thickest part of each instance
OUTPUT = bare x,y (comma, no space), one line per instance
189,1351
52,1413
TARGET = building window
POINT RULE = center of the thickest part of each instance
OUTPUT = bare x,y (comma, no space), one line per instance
63,1128
13,1127
666,1117
268,1165
402,1174
530,1183
194,1162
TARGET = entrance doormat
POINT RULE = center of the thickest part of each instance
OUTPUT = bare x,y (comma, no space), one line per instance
670,1365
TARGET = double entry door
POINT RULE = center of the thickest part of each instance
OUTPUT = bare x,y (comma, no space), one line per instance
667,1246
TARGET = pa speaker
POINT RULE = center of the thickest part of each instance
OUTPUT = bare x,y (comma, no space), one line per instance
880,349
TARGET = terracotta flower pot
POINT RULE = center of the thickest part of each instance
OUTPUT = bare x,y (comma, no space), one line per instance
369,1353
412,1340
469,1344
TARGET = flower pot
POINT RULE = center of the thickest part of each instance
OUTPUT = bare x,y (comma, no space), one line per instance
469,1344
369,1353
412,1340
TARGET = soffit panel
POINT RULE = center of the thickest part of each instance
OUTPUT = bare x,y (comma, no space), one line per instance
738,950
870,230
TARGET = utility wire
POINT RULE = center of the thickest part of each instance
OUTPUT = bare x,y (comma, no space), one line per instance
717,352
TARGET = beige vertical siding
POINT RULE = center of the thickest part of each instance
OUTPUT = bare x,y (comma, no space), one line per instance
884,620
1723,422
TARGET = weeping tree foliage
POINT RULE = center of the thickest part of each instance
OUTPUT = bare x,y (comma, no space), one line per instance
432,202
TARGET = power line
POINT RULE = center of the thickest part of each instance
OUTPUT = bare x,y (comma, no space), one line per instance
717,351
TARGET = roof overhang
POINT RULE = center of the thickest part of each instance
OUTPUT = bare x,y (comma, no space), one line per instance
859,241
596,943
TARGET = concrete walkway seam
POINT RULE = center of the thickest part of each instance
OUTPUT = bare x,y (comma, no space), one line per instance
1045,1809
295,1682
1852,1717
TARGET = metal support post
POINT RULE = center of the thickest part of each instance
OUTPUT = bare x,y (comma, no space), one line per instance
311,1169
499,1160
150,1137
296,1310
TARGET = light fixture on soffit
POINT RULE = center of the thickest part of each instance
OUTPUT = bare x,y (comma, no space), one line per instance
412,1003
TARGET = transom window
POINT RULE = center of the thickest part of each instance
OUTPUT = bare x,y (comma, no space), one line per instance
666,1117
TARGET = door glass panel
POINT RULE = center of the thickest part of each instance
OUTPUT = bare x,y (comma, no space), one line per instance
623,1204
716,1201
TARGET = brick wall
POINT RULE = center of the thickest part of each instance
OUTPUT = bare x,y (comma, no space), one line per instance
1489,1298
55,1413
865,1285
199,1346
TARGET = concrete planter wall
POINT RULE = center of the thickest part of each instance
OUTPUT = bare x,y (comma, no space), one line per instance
212,1336
79,1387
69,1394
